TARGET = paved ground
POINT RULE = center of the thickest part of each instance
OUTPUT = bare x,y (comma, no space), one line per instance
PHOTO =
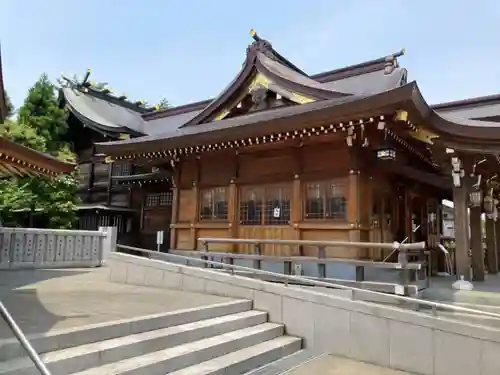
331,365
485,292
44,300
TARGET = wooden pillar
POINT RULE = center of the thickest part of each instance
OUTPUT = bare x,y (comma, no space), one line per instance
232,211
476,239
174,217
497,242
296,210
175,206
194,216
460,199
491,247
353,211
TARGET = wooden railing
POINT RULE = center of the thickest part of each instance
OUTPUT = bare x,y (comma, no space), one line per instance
408,272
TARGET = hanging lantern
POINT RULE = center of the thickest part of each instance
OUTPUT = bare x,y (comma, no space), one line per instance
476,198
386,152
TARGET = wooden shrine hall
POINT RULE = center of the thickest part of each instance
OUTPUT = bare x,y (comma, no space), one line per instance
352,154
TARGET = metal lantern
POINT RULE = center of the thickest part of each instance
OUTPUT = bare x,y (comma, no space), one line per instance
489,204
476,198
386,152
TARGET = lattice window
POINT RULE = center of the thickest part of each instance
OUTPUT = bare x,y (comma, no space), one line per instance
213,204
325,200
269,205
121,169
159,199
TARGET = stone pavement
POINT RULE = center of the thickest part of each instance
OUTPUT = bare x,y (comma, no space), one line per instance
45,300
331,365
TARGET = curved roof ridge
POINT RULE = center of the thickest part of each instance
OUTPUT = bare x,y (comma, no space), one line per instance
101,115
360,68
284,73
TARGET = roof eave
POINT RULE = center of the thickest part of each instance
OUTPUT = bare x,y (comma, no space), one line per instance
34,158
311,113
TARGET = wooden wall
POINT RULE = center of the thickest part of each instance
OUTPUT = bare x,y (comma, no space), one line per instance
290,169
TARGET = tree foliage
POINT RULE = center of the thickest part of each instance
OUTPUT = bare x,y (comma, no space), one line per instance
163,104
41,125
41,111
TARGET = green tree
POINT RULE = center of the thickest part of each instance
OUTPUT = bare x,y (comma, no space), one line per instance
41,111
23,134
41,126
163,104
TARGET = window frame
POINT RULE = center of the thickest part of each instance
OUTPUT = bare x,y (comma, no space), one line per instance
159,199
263,193
324,187
214,192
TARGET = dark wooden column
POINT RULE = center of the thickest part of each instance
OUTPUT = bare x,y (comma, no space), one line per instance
491,247
476,233
497,236
176,176
497,241
460,199
232,213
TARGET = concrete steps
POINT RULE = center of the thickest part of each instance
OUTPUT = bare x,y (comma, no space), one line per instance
227,338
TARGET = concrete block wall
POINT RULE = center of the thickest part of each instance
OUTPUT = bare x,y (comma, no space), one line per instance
382,335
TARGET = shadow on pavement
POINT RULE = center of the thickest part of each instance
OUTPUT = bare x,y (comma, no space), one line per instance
19,293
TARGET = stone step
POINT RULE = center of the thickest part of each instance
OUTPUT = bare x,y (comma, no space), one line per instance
172,359
96,354
62,339
244,360
288,363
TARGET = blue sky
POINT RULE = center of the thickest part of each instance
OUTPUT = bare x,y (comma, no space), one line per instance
189,50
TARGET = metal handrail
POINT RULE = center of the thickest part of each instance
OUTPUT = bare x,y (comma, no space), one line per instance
433,305
447,259
35,358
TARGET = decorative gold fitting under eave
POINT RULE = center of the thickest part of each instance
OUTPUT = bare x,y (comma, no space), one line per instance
354,171
401,115
296,176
